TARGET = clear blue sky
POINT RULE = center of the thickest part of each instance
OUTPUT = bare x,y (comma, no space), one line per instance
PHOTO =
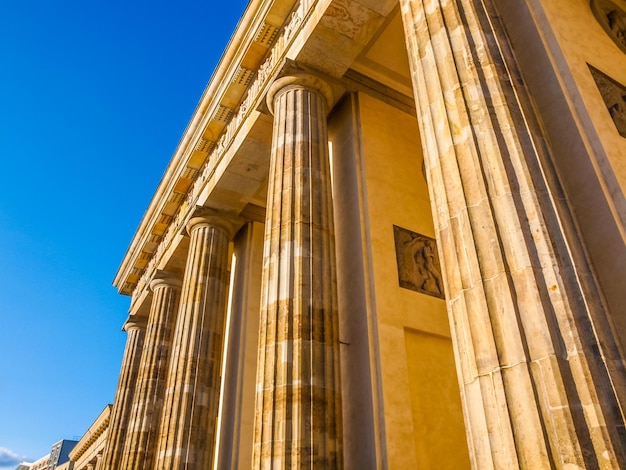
94,97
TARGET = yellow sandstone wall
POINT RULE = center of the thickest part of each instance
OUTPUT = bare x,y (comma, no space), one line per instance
417,363
583,41
410,377
552,42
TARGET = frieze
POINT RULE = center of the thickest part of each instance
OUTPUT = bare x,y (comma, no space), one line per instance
614,96
234,118
345,18
418,262
613,19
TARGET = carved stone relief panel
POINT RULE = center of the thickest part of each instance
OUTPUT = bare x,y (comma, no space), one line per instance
614,96
418,262
613,19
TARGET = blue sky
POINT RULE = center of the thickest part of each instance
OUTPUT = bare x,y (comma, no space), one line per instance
94,97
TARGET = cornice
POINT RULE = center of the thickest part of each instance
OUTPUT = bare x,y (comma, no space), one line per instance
99,426
248,48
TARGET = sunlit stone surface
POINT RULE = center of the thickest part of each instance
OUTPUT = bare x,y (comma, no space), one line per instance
440,283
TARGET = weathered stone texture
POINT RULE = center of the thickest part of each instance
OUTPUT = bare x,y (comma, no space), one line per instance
120,414
298,413
418,262
148,402
614,96
536,392
187,433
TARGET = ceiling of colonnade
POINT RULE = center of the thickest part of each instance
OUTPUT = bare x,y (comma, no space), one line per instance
377,63
383,61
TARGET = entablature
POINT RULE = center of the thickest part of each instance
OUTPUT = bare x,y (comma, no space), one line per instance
248,48
223,158
97,429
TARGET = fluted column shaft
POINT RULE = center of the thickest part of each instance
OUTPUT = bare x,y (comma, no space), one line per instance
187,434
120,414
143,429
298,411
239,375
535,389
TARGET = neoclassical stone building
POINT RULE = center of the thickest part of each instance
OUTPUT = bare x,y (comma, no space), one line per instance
392,236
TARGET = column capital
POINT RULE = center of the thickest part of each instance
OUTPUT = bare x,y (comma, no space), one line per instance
135,322
165,279
207,216
302,81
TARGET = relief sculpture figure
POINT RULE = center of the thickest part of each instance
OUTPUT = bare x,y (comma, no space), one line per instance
614,96
433,281
412,254
612,18
617,24
418,265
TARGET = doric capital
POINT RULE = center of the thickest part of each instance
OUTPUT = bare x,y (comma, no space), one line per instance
302,81
135,322
165,279
206,216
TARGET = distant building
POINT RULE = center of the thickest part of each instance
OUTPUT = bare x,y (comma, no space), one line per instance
60,453
41,464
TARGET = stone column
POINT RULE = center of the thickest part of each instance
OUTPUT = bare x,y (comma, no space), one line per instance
298,410
239,377
143,429
98,463
536,391
187,433
120,414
